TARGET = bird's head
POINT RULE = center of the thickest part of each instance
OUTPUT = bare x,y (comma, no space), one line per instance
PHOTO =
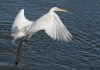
58,9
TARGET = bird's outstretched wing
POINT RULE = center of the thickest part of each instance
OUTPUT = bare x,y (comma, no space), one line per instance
20,20
53,26
20,25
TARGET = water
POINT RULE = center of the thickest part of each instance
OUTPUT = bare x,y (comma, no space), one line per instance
43,53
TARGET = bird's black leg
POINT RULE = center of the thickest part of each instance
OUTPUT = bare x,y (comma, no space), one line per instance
18,53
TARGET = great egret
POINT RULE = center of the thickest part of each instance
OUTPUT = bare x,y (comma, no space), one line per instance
53,26
50,22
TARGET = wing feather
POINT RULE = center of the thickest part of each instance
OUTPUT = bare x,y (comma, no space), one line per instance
57,30
20,26
53,26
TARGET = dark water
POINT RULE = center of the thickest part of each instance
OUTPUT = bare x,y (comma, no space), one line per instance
43,53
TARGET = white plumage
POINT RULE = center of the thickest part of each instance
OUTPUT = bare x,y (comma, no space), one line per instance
53,26
20,26
50,22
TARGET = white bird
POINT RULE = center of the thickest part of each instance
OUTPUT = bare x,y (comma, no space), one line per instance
20,26
50,22
53,26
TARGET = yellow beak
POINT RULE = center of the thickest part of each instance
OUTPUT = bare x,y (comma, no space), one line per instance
63,10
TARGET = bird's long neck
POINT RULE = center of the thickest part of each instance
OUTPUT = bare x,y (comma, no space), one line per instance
52,10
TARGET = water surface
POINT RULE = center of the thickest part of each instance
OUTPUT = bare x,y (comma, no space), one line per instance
43,53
